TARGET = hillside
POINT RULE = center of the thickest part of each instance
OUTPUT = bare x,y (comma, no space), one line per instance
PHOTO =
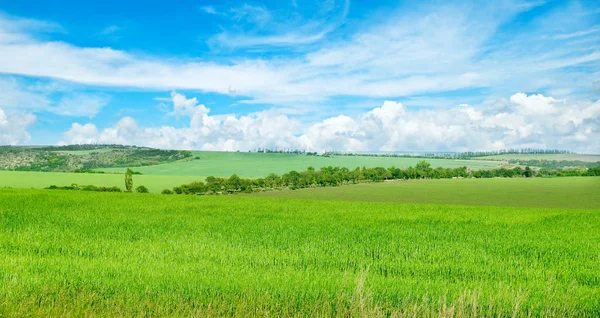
83,157
254,165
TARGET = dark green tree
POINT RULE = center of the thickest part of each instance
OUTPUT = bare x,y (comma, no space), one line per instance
129,180
528,172
141,189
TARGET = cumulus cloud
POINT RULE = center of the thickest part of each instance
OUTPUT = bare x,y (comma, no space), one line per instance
518,122
13,127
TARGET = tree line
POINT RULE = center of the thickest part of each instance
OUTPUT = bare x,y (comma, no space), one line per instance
554,164
335,176
453,155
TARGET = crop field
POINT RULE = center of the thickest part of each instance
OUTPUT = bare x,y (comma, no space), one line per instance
558,157
568,192
66,253
26,179
256,165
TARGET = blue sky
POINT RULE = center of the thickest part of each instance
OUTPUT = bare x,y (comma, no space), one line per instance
317,75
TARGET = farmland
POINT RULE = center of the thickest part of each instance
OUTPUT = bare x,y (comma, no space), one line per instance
80,253
557,157
419,247
519,192
254,165
27,179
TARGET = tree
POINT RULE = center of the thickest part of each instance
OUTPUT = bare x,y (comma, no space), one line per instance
141,189
528,172
234,182
423,169
129,180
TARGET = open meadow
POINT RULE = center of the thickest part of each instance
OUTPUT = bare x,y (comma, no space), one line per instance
72,253
40,180
256,165
567,192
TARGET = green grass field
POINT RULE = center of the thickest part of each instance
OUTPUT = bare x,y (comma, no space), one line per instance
67,253
26,179
567,157
256,165
572,192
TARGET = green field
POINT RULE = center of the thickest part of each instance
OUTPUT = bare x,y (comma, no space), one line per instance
256,165
69,253
558,157
26,179
567,192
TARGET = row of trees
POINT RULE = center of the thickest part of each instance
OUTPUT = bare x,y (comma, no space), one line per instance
451,155
554,164
334,176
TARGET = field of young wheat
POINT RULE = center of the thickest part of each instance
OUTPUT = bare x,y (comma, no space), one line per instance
123,254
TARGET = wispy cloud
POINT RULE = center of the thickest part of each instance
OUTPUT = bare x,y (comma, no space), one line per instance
110,30
431,49
208,9
80,105
262,28
576,34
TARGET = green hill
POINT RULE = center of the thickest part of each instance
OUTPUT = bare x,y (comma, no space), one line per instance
255,165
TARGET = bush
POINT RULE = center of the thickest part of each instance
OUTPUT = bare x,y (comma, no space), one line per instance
167,191
177,190
86,188
141,189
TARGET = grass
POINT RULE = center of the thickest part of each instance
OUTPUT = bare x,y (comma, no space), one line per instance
567,192
26,179
558,157
257,165
84,254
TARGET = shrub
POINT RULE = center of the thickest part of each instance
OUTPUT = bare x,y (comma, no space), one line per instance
141,189
167,191
177,190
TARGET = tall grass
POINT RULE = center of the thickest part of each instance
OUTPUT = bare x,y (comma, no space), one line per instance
85,254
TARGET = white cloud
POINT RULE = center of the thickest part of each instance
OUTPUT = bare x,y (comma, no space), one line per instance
80,105
15,96
81,134
263,28
109,30
187,107
522,121
36,97
208,9
422,50
13,127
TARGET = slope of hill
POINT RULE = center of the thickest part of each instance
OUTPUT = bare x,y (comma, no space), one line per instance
207,163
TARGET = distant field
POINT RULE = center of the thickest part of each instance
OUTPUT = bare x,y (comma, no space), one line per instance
558,157
255,165
573,192
26,179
